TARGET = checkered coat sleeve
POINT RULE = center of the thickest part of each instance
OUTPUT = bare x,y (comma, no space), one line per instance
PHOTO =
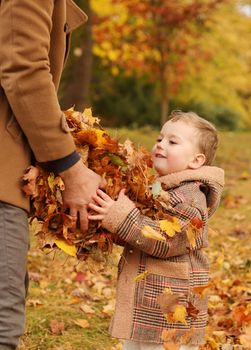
187,201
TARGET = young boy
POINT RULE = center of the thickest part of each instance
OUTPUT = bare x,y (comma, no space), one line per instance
182,158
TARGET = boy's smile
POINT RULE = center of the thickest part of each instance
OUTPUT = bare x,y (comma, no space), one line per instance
176,148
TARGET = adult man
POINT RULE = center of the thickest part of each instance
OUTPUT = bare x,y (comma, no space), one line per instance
34,38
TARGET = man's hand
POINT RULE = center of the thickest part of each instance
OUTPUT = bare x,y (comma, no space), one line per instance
81,185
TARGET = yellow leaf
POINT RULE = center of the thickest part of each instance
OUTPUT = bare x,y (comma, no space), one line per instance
191,236
221,258
50,180
67,248
141,276
167,291
88,115
149,232
214,345
170,227
180,314
82,323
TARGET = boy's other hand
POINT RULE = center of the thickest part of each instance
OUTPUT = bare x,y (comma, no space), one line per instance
81,184
102,204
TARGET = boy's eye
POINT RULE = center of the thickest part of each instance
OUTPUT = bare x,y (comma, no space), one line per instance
159,139
172,142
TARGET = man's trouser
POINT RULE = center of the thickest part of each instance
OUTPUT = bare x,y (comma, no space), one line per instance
14,243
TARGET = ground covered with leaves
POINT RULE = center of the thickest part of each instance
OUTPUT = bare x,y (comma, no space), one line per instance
70,303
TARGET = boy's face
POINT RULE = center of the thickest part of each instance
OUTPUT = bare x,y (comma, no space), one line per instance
176,148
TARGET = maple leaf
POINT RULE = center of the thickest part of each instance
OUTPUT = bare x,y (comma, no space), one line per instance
170,227
149,232
201,290
28,181
192,310
167,302
178,315
194,229
197,223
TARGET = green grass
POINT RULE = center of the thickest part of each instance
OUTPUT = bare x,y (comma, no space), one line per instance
52,294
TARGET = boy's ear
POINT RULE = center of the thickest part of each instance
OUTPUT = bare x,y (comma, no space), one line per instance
198,161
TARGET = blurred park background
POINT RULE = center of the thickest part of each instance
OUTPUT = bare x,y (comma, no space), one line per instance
135,61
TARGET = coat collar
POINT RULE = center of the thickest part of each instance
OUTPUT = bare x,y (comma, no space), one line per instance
74,15
212,177
203,174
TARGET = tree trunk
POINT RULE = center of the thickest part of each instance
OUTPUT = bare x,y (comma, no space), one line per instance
164,97
76,87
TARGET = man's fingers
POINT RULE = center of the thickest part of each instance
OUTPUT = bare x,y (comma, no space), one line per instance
83,219
74,217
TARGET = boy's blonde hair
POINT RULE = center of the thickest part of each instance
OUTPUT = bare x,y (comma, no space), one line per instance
207,134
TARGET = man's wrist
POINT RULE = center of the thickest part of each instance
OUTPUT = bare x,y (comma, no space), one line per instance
60,165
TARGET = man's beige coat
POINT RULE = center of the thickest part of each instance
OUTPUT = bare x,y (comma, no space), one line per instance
34,42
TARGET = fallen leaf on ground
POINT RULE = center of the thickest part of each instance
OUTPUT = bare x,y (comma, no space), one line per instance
82,323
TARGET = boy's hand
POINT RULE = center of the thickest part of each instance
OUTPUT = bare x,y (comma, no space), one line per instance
102,204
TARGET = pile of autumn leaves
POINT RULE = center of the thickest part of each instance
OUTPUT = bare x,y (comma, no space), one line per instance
122,166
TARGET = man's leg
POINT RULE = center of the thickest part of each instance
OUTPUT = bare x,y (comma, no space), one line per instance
14,242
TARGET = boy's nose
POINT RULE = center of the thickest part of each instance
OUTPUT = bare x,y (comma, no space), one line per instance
160,145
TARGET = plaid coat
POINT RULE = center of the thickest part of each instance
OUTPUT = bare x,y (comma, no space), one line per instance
170,264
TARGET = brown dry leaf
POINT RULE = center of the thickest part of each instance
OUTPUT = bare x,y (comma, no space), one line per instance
192,310
57,327
34,302
86,309
28,181
202,290
82,323
109,308
196,223
167,302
